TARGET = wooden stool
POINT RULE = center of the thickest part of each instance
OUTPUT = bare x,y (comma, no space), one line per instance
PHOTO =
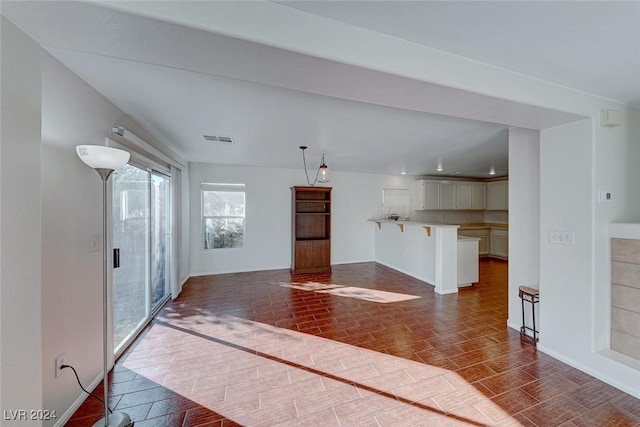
532,296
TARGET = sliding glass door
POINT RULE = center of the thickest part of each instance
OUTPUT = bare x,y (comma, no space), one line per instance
160,238
141,224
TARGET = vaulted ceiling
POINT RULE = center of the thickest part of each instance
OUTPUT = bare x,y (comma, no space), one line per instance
188,74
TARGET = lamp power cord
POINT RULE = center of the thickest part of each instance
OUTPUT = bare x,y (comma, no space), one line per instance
84,389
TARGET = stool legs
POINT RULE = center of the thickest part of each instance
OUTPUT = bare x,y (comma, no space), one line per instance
533,299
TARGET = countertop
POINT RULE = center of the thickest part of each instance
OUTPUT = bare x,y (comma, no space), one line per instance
424,224
463,226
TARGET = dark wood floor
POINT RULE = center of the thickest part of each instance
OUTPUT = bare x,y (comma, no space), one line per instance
266,348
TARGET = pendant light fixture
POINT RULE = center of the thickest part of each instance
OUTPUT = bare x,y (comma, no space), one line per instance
322,174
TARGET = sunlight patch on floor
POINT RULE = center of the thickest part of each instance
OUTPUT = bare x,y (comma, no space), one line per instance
373,295
258,374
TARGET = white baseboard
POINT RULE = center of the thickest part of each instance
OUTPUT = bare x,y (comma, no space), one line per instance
61,421
587,370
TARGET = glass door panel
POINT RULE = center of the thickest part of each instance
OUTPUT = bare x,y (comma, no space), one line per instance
131,233
160,237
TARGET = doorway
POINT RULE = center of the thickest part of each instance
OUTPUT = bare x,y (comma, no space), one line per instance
141,232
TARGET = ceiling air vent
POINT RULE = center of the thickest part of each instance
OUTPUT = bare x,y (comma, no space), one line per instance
219,139
452,173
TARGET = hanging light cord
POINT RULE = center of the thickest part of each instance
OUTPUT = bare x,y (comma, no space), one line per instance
304,161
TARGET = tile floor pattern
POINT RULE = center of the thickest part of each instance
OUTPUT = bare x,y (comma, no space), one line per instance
248,349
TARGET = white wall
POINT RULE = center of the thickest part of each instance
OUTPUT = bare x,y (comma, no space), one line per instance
20,237
74,113
355,198
575,279
524,217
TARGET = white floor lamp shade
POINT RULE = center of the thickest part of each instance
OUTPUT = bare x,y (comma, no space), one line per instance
105,160
100,157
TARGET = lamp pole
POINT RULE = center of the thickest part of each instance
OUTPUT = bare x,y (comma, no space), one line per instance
104,160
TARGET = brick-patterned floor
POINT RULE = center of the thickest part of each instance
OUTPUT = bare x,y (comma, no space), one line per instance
248,349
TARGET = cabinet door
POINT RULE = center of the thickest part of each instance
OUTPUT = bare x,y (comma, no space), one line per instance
497,196
478,195
483,245
463,196
447,196
312,255
431,195
500,247
500,243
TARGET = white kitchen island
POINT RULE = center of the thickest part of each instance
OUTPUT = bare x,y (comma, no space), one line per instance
428,252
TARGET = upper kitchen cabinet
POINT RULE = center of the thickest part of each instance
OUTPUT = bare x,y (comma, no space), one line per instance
426,195
470,195
449,195
497,196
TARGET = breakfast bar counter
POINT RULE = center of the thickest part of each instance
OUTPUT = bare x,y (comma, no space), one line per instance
428,252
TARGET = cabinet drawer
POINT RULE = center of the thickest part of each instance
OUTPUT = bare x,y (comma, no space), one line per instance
499,233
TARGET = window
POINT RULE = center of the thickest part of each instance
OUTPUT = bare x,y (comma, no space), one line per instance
223,207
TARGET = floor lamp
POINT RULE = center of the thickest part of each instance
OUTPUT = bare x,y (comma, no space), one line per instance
105,160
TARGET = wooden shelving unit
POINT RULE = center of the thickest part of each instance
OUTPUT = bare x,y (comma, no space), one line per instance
311,233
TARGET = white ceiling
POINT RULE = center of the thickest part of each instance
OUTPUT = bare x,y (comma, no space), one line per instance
181,82
592,46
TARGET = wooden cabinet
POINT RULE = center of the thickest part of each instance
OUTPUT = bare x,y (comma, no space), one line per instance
497,196
311,229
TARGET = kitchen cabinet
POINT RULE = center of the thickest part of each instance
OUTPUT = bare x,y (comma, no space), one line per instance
434,195
480,233
478,195
499,245
497,196
426,195
463,195
447,196
470,195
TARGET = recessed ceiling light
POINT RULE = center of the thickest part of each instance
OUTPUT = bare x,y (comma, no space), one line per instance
439,168
492,171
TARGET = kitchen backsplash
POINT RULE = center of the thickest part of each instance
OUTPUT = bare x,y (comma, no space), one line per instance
451,217
496,217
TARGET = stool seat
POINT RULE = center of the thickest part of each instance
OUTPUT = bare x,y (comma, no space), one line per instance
529,291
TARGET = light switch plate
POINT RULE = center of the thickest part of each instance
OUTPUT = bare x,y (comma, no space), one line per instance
559,237
95,243
604,196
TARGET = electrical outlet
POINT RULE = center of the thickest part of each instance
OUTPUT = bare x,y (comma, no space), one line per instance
59,363
561,237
